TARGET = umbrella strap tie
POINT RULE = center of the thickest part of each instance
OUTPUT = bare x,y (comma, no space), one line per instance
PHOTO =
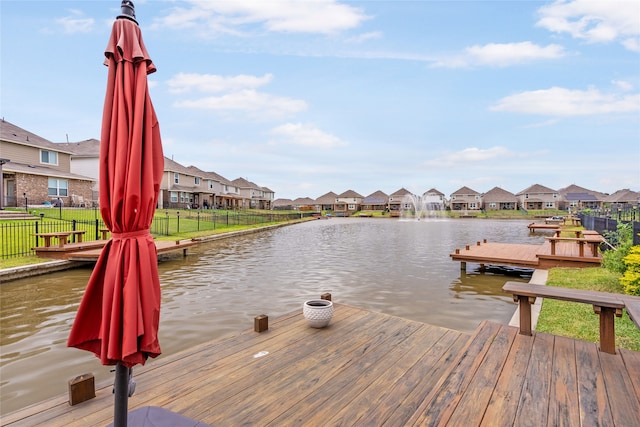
131,234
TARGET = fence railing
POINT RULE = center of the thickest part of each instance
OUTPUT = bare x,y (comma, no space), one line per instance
610,223
18,238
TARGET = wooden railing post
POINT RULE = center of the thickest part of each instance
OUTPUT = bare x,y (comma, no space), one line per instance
607,328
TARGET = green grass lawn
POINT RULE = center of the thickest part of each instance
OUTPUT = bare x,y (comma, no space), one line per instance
577,320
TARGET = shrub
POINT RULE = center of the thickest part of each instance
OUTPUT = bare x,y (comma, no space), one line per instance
631,279
622,239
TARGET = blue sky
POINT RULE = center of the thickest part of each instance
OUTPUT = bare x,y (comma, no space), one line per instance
306,97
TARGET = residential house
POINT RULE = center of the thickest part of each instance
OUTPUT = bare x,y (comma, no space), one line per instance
181,187
85,160
37,171
283,204
465,199
434,200
326,202
304,204
623,199
348,203
538,197
252,195
498,199
376,202
575,198
399,201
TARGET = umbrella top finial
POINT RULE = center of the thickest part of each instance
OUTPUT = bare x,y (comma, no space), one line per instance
128,11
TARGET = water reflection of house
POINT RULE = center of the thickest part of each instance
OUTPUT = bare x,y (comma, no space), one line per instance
499,199
465,199
538,197
375,202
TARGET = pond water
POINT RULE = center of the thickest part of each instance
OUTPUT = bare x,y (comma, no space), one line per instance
397,267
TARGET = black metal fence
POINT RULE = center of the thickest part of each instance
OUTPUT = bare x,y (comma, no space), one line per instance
610,223
18,238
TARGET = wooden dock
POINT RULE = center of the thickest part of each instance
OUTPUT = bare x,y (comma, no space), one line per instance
371,369
564,253
90,251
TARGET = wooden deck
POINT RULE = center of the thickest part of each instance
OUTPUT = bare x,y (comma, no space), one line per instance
90,251
566,254
371,369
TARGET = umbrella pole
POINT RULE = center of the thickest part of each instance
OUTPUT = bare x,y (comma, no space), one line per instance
121,391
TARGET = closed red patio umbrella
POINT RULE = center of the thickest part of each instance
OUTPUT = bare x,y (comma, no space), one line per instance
119,314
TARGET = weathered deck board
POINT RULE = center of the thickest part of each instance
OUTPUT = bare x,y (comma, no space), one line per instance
372,369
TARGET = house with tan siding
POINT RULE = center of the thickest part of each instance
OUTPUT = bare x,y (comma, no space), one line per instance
326,202
498,199
623,199
465,199
399,201
348,203
36,171
434,200
538,197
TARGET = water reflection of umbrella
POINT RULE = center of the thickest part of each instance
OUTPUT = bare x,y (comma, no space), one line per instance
119,314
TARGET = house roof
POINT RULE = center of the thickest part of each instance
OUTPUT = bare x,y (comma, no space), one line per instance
303,201
88,148
377,197
465,191
283,202
623,196
172,166
349,193
327,199
497,194
12,133
43,171
401,192
581,197
536,189
576,190
434,191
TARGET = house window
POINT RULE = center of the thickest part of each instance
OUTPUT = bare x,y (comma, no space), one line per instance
492,205
550,205
210,184
174,197
196,180
473,205
176,178
58,187
352,207
48,157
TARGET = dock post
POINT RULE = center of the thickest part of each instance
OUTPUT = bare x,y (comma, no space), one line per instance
261,323
326,296
463,266
482,268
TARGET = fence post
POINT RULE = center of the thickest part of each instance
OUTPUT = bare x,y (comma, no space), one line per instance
97,229
36,233
198,220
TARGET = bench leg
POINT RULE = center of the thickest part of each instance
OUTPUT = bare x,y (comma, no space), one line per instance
607,329
525,314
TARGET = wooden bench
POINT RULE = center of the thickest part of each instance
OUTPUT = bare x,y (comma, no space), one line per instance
104,232
604,304
62,237
78,234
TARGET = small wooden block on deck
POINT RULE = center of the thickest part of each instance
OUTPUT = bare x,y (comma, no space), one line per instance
81,389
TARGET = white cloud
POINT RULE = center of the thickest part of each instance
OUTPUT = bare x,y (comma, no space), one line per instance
185,82
306,135
76,23
502,55
594,21
469,156
257,104
294,16
558,101
623,85
361,38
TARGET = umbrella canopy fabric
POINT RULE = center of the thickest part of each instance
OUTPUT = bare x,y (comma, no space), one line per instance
119,314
